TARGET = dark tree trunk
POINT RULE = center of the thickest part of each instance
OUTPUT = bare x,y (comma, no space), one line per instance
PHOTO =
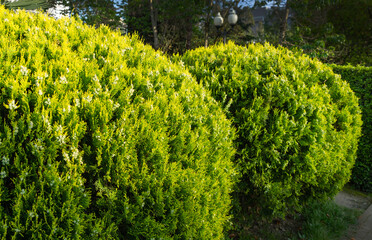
207,22
284,24
154,23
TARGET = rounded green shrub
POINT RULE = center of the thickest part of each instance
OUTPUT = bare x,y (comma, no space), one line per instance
297,122
101,137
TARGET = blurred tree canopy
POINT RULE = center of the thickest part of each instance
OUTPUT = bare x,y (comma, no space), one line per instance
178,25
335,31
95,12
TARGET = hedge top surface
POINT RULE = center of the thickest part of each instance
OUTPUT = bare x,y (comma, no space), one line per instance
298,123
103,137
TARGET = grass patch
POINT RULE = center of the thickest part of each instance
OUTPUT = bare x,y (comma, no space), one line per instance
326,221
318,221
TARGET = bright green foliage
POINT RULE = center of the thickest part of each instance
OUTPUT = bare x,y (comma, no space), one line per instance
360,80
101,137
298,123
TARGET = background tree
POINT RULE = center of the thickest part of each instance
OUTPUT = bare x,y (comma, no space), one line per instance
353,19
169,25
95,12
335,31
180,25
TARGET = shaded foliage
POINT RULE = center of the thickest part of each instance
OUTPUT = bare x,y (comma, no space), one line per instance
360,80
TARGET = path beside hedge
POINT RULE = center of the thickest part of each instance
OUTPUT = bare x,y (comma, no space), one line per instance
363,229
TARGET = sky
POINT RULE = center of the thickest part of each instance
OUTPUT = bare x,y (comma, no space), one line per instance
56,11
250,3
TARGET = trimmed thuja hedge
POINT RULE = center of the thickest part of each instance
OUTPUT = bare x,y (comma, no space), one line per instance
360,80
297,122
101,137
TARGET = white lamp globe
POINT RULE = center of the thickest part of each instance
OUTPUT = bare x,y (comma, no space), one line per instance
218,20
233,18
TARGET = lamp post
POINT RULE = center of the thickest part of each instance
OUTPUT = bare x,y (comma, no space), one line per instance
218,22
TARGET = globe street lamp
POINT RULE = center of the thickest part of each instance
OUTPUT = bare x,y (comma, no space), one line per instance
218,22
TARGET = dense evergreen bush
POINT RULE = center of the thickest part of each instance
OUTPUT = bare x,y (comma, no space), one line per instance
101,137
360,80
297,122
